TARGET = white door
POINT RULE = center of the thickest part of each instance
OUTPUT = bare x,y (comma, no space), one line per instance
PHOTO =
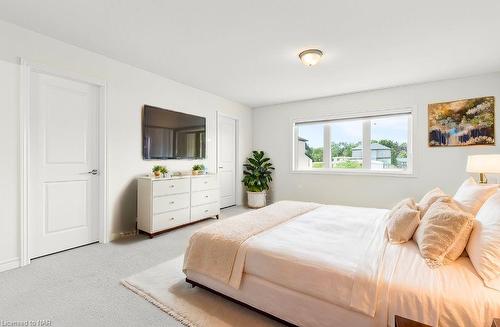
63,152
226,138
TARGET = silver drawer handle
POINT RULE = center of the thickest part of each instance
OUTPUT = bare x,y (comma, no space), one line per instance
206,196
171,186
172,202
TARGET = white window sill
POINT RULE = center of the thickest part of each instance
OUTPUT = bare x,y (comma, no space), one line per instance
359,172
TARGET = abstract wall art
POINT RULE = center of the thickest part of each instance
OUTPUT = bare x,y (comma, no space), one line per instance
462,122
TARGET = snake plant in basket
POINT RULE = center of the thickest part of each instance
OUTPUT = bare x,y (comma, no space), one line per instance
257,176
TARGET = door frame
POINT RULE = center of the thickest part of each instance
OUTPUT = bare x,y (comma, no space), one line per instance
238,174
24,150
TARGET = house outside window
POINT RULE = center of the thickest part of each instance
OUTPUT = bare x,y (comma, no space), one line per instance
336,144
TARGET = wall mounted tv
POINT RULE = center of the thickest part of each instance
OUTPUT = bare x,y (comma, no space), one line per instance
168,134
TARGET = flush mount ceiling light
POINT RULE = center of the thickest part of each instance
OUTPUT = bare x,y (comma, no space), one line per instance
310,57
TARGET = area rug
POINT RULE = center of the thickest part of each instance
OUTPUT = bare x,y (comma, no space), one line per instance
164,286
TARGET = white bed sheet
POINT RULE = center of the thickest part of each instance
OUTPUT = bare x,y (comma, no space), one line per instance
332,253
295,307
452,295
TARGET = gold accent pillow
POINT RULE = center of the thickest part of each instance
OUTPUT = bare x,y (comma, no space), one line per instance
403,221
443,232
429,198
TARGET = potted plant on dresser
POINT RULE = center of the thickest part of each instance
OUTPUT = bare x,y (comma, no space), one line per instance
198,169
159,171
257,176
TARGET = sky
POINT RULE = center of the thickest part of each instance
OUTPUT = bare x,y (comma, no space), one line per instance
393,128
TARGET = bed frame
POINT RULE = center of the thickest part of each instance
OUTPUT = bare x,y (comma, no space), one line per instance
268,315
399,321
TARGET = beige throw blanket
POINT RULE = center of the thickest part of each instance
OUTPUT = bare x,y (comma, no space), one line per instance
213,249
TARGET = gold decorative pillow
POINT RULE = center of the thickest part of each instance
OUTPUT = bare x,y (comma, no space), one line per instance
403,221
429,198
443,232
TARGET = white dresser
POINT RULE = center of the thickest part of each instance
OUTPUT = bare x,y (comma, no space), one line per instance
166,203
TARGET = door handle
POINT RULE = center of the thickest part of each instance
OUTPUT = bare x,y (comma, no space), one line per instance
93,172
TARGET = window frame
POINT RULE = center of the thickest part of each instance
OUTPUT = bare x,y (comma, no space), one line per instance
409,172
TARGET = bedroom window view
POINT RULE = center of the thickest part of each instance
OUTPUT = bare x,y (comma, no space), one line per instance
346,144
389,137
389,142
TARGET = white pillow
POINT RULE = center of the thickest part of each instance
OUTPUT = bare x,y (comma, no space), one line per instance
429,198
403,221
484,243
471,196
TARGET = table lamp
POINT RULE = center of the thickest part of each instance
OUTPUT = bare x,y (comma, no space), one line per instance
482,164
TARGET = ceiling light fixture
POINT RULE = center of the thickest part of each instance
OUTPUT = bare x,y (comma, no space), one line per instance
310,57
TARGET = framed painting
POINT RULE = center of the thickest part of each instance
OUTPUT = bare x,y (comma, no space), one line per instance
462,122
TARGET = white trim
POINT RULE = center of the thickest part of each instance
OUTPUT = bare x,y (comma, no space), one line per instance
44,69
409,172
366,140
238,173
104,214
9,264
327,151
363,172
104,230
356,114
24,104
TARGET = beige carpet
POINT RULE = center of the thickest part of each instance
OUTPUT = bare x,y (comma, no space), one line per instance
164,286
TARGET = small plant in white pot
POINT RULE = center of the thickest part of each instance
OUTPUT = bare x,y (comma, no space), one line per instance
257,176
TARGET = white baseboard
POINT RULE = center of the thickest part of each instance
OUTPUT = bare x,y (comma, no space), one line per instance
9,264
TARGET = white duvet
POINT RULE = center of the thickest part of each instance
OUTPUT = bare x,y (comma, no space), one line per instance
333,253
340,255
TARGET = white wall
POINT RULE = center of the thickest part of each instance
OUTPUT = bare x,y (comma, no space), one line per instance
9,171
444,167
128,89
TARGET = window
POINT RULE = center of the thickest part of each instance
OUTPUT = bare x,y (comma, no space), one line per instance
346,143
338,145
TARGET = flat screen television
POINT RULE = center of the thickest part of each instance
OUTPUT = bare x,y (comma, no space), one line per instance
168,134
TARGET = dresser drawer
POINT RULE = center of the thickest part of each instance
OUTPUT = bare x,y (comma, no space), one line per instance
204,197
167,187
170,219
205,211
170,202
204,183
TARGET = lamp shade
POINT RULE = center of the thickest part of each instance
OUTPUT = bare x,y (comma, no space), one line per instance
484,163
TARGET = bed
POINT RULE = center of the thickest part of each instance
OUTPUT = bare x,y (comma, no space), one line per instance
322,265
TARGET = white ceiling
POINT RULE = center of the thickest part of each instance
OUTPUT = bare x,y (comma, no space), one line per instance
247,50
